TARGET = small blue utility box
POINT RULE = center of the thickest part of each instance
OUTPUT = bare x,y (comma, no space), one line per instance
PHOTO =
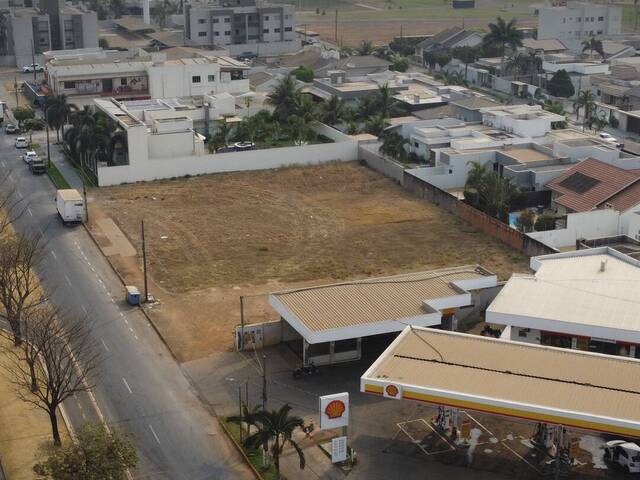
133,295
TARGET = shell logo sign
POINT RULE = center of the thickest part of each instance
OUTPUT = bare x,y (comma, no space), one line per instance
334,410
392,391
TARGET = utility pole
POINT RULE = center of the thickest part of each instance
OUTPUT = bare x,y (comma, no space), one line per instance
15,89
240,407
241,342
336,27
33,62
264,381
144,264
84,191
46,123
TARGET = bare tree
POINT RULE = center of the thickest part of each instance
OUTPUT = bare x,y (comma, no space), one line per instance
19,285
67,360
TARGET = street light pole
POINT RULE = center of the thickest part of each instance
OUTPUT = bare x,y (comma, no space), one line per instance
144,265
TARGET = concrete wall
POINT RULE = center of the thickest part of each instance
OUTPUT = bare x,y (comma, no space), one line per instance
344,149
370,155
593,224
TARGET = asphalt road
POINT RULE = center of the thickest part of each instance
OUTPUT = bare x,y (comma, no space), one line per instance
140,390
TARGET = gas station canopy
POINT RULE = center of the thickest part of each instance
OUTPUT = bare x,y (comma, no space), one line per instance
545,384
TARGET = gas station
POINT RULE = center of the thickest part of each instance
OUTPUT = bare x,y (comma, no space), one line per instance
555,389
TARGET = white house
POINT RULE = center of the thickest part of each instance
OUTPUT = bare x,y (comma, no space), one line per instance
586,299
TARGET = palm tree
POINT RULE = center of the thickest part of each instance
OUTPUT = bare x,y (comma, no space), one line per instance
163,11
332,111
453,78
222,137
593,45
275,427
58,112
384,100
366,106
393,146
503,35
584,100
283,97
365,48
376,124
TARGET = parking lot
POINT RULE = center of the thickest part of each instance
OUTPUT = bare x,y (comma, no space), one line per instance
392,437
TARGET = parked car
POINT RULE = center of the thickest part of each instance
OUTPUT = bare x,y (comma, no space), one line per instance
29,156
21,142
243,146
34,67
605,135
11,128
625,454
37,166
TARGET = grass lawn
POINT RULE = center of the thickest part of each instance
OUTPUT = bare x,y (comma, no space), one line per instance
254,455
56,177
25,431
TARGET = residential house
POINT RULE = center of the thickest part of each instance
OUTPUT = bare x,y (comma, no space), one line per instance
355,66
448,39
585,300
546,47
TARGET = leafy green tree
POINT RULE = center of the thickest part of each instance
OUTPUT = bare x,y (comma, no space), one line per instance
525,221
487,191
275,428
333,110
365,48
58,111
466,55
399,63
376,124
393,145
97,455
558,109
283,97
560,85
545,222
304,74
103,43
403,46
22,113
164,9
593,45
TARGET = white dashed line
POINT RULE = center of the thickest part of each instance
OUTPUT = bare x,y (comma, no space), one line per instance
121,314
104,345
84,309
53,254
29,212
126,321
154,434
127,385
131,329
3,164
68,281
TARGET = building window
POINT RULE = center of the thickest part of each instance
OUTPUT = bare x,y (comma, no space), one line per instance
286,17
266,18
288,29
202,34
227,20
599,32
123,81
555,340
216,34
68,85
578,19
227,32
592,19
564,20
202,20
265,30
253,37
250,17
195,79
416,144
237,32
216,20
276,30
601,19
211,78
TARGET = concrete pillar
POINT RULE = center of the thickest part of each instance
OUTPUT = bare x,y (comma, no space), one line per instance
146,13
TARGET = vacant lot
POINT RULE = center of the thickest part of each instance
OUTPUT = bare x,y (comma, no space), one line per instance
331,222
213,238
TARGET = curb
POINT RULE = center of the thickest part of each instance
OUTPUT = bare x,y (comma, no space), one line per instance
240,449
121,278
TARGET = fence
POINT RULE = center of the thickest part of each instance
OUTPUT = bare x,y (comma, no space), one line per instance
369,154
487,224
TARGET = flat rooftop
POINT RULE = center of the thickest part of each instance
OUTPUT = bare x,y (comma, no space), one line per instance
377,305
591,293
526,155
538,383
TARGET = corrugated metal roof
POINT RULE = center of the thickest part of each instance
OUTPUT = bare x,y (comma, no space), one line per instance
610,181
367,301
564,386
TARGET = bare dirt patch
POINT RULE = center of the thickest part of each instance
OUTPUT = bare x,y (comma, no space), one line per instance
212,238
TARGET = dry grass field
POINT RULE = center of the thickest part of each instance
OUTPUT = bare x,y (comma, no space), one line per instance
213,238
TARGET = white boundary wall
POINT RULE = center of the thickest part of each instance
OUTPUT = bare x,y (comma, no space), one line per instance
344,149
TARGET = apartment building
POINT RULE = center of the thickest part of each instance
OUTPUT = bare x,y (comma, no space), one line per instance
53,26
574,22
245,27
137,74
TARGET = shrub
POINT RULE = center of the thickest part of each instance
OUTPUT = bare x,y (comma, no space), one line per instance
545,222
304,74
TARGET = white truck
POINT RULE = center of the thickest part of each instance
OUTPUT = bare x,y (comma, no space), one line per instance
70,206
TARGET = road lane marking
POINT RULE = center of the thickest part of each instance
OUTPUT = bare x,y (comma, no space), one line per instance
84,309
29,212
104,345
126,321
154,434
127,385
53,254
68,281
3,164
19,193
121,314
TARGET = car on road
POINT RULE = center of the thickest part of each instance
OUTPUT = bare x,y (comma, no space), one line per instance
29,156
21,142
625,454
11,128
34,67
